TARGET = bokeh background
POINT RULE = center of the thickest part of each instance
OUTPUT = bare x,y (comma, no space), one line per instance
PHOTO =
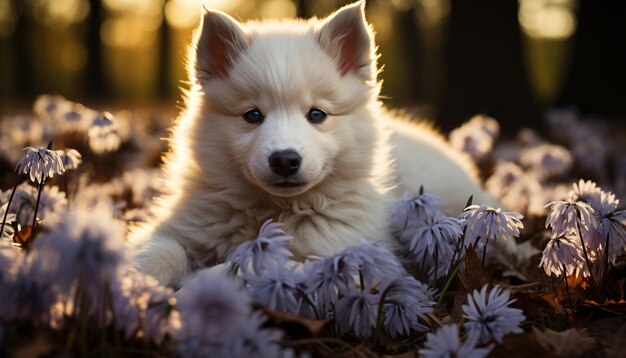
443,59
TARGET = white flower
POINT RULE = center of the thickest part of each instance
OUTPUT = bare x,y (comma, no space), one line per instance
40,164
547,160
561,253
103,134
491,315
7,230
446,343
70,158
476,136
488,223
568,216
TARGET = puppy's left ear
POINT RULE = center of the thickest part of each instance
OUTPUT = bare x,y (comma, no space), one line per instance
348,39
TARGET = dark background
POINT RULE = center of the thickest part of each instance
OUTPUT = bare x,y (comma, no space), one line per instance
443,59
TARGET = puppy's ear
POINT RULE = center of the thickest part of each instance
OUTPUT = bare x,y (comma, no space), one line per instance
348,39
218,41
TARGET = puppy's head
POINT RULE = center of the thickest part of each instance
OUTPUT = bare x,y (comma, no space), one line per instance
287,100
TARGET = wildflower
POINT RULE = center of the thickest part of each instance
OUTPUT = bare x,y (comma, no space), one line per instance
366,262
587,191
252,340
267,248
446,343
568,216
7,229
611,225
26,293
161,318
356,313
484,223
47,106
87,249
212,307
405,301
438,238
40,163
70,158
547,160
412,212
103,135
492,316
274,287
475,137
561,254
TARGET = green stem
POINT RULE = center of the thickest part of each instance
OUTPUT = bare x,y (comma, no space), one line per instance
379,314
6,213
448,283
310,302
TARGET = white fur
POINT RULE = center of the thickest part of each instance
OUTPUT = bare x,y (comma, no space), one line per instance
217,193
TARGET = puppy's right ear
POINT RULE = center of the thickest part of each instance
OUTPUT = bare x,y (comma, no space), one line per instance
218,41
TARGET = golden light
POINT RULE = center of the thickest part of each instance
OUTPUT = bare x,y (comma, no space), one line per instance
7,18
547,19
183,13
278,9
60,13
73,56
430,13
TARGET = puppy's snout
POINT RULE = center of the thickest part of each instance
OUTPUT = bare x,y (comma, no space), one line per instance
285,162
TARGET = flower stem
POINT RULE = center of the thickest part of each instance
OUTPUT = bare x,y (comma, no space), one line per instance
569,299
379,314
32,230
449,282
308,299
484,253
582,242
6,213
436,263
606,260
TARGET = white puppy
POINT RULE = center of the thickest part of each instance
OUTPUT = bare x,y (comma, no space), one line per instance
283,122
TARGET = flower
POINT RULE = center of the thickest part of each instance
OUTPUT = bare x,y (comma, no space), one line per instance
475,137
484,223
366,262
252,340
7,229
587,191
356,313
547,160
103,134
211,306
71,158
47,106
267,248
51,203
516,189
410,212
40,163
274,287
86,249
406,300
446,344
438,238
561,253
491,316
568,216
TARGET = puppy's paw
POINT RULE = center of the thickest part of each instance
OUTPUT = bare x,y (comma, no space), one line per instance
164,258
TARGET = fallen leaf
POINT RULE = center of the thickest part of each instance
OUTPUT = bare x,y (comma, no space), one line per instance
566,343
474,275
295,326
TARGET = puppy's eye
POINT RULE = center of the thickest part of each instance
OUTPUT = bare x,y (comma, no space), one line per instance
316,115
253,116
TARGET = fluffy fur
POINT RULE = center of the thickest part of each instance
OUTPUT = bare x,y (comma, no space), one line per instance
218,188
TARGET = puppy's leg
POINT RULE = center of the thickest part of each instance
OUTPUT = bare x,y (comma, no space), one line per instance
164,258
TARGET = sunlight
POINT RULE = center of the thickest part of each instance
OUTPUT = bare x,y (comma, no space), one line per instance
549,19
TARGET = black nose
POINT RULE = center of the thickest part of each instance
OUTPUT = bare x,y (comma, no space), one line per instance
285,162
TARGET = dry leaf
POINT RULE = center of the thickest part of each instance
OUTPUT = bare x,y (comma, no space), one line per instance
474,276
565,344
295,326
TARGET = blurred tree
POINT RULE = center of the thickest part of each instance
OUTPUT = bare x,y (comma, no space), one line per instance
597,81
484,66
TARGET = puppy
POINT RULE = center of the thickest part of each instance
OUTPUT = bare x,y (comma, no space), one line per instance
283,122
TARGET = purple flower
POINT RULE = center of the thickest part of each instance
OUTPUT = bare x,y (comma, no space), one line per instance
406,300
269,247
251,340
446,343
560,254
274,287
547,160
356,313
40,164
410,213
211,307
516,189
476,137
87,248
439,238
491,315
7,231
103,134
485,223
